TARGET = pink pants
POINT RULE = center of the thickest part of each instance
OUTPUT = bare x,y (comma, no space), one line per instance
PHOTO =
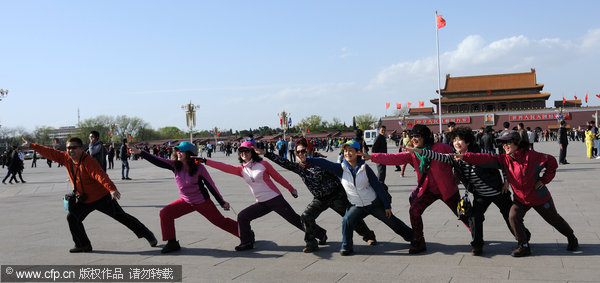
180,208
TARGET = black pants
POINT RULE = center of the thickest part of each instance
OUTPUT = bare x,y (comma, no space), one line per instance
547,211
562,156
339,203
480,205
381,172
108,206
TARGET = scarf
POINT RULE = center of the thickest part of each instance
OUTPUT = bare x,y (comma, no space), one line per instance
425,161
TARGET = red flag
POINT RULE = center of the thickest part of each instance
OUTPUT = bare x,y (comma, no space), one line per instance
575,97
387,105
421,103
586,97
398,106
440,22
109,133
219,133
408,104
564,100
280,121
598,95
308,130
130,139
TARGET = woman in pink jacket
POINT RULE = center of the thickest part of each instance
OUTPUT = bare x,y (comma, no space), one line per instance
523,168
438,182
194,184
257,174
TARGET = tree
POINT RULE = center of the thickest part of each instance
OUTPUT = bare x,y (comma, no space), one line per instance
99,123
166,133
365,121
313,122
41,135
337,125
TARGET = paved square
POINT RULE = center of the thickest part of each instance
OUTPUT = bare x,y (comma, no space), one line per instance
35,231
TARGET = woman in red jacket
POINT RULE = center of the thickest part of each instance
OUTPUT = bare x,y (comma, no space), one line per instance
523,168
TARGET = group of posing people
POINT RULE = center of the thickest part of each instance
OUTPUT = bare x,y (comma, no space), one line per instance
350,188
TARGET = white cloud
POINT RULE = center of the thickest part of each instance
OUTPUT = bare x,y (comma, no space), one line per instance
475,56
345,52
591,40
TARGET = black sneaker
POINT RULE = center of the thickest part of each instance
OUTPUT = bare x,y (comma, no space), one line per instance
573,245
521,251
84,249
171,246
323,241
310,249
243,247
477,250
151,239
345,252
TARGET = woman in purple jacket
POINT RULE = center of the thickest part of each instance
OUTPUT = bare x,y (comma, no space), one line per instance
194,183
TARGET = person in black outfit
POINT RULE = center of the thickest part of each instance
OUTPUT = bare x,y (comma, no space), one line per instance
111,157
380,146
563,141
487,141
124,161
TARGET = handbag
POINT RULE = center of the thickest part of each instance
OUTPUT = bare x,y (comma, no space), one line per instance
463,210
71,199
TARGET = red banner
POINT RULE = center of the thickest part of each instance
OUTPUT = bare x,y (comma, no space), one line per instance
462,120
532,117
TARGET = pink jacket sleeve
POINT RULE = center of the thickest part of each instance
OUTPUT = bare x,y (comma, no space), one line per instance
235,170
399,158
277,177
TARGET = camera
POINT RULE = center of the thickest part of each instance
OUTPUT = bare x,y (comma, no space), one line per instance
74,198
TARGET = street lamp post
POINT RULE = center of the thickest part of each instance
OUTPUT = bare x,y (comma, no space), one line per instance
190,117
112,127
3,93
284,121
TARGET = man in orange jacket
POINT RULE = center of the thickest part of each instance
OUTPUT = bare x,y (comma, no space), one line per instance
93,185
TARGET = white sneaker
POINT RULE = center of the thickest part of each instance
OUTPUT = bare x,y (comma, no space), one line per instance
597,157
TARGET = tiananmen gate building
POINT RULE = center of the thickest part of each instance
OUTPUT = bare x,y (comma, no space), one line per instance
491,100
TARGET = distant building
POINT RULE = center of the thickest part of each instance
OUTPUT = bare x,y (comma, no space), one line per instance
62,134
491,100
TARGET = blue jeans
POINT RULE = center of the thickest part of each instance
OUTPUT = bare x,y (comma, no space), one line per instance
124,165
355,213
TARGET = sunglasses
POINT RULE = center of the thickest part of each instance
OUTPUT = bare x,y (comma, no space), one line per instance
303,151
416,136
243,150
73,147
504,142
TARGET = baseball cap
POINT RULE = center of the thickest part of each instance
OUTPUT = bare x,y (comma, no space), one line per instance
352,143
187,146
248,144
509,135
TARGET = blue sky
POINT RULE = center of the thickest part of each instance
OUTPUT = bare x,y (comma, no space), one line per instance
245,61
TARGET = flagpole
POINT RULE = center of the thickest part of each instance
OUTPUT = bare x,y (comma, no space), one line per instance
437,43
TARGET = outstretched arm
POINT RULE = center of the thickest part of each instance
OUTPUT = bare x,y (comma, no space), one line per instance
158,161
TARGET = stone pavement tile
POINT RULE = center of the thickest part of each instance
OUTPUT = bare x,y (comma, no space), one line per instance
543,274
420,272
458,279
